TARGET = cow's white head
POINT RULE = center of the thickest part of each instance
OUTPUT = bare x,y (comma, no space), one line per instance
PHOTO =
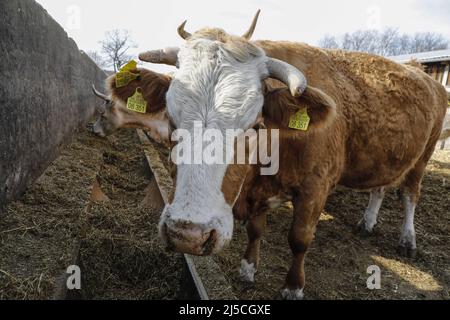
219,86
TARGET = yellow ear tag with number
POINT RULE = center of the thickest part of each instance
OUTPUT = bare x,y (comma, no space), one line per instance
129,66
124,78
300,120
137,102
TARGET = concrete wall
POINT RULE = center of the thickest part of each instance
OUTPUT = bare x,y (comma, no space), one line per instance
45,93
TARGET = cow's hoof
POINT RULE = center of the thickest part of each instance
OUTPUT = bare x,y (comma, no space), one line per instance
407,251
247,272
246,285
407,245
362,229
288,294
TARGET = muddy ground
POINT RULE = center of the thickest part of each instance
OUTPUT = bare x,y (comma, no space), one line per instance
337,262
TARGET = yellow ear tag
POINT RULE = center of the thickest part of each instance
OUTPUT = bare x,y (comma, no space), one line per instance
137,102
129,66
300,120
123,78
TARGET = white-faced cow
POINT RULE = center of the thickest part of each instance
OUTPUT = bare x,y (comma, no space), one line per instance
374,124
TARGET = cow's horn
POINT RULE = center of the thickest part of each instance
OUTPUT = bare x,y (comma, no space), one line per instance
183,33
248,35
289,75
167,56
99,94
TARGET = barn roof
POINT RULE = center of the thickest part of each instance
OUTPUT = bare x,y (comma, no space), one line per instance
424,57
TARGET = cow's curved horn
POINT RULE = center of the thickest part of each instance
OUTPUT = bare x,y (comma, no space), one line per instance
167,56
289,75
99,94
183,33
248,35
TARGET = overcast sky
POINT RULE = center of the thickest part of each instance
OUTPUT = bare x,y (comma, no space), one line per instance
153,23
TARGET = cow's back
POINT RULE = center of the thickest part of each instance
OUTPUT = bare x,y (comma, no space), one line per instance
388,114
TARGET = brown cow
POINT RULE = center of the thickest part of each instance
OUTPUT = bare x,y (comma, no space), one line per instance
374,125
114,114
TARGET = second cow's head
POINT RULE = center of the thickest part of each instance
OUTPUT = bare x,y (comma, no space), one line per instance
218,85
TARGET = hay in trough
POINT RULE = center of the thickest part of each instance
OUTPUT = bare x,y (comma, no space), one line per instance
121,252
39,233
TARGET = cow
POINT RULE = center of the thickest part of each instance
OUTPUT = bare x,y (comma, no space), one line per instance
374,125
114,115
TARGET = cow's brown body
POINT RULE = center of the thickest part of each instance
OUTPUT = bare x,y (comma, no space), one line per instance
388,120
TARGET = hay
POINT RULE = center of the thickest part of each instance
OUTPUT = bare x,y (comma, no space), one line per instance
121,253
38,234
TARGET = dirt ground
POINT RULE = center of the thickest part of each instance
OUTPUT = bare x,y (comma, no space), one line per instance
337,262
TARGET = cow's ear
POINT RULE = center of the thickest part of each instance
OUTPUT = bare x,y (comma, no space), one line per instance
154,87
321,107
280,107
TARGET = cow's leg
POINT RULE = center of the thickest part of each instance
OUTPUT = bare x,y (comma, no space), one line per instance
307,210
255,231
410,190
370,219
410,195
408,245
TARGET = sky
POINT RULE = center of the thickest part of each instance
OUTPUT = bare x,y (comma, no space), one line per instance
153,24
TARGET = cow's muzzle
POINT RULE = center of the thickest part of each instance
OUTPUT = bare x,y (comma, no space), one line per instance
185,237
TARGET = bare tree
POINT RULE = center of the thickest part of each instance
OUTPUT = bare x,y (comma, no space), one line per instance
402,46
97,58
388,42
115,47
428,41
329,42
359,41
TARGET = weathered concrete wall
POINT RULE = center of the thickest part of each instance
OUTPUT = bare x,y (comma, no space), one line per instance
45,93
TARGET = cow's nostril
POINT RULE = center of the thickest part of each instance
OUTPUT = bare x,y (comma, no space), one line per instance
209,245
186,237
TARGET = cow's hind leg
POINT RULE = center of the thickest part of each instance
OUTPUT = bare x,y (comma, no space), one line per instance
307,209
407,245
410,191
255,231
370,219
